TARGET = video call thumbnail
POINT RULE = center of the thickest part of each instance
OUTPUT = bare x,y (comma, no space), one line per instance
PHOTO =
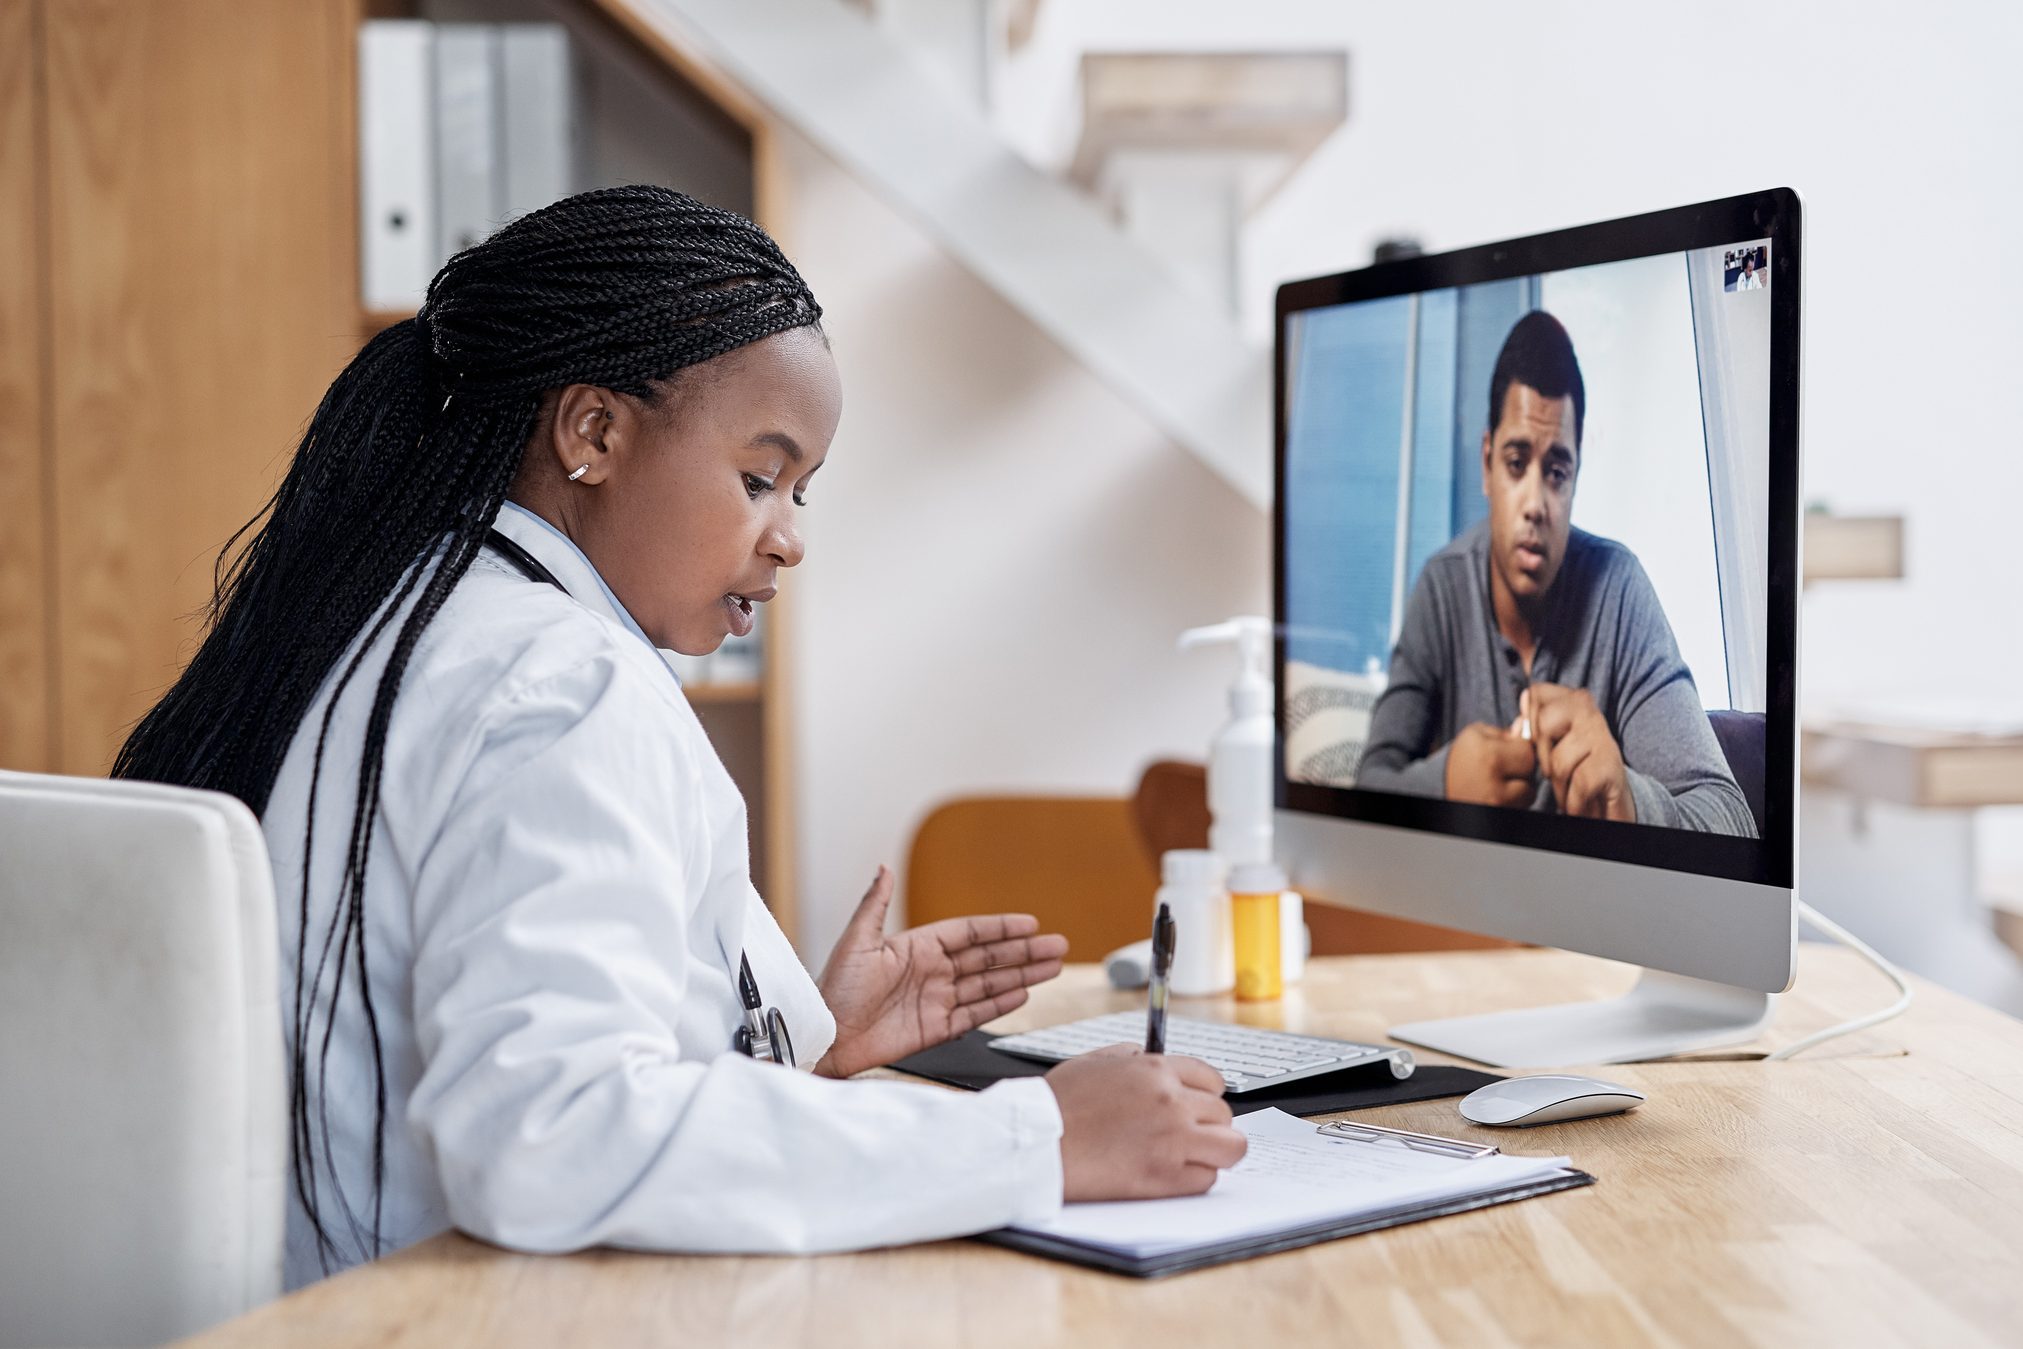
1527,542
1746,268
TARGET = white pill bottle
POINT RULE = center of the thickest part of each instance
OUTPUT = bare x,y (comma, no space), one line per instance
1194,888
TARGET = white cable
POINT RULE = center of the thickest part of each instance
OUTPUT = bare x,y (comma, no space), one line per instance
1846,938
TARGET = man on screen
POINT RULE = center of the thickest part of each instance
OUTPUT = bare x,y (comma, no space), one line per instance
1534,667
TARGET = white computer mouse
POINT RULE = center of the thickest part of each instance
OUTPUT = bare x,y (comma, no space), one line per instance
1546,1098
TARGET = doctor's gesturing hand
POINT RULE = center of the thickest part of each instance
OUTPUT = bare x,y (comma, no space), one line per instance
892,996
1133,1125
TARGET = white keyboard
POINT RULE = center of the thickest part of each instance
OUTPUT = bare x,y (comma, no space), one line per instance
1247,1057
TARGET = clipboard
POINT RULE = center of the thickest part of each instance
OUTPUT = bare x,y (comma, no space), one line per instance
1204,1257
1209,1253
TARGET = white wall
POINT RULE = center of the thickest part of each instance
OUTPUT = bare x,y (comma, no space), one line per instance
1000,555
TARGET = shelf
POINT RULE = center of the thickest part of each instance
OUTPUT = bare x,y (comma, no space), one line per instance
1853,547
1914,765
743,691
373,321
1277,106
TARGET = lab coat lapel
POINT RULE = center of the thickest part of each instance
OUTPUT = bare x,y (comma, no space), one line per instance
748,929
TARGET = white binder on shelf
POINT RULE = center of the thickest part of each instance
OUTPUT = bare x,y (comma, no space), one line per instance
467,159
396,138
537,111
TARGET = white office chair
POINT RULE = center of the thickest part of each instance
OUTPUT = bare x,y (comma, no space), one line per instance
143,1114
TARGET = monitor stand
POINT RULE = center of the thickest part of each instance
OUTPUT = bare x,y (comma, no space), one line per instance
1663,1014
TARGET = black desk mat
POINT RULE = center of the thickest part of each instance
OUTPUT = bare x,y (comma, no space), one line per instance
968,1061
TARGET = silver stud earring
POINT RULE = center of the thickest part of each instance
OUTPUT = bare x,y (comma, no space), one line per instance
579,473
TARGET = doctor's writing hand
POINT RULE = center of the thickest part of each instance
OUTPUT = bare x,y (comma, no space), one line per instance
1490,766
1578,753
893,996
1141,1126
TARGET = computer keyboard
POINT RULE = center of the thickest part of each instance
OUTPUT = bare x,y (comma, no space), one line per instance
1247,1057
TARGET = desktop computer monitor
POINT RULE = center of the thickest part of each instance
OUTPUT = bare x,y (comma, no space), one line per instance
1535,584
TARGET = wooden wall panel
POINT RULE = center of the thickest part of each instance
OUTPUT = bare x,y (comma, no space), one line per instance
26,722
203,270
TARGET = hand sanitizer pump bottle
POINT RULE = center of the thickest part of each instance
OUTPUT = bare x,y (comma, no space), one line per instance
1239,758
1239,768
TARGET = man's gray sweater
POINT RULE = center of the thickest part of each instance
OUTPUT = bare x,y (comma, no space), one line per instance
1603,630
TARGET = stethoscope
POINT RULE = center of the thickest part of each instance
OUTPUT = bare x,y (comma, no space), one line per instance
764,1034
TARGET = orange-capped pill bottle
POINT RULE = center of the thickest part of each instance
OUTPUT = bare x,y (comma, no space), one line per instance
1254,890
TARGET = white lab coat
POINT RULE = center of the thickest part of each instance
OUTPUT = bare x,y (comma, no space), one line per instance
558,890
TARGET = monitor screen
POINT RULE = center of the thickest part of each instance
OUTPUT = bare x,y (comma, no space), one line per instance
1534,507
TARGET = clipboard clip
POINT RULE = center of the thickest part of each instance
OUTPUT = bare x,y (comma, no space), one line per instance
1377,1133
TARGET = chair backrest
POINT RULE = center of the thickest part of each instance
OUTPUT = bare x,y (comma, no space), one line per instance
144,1125
1075,863
1171,807
1742,736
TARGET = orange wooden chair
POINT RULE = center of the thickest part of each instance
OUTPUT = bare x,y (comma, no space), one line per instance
1075,863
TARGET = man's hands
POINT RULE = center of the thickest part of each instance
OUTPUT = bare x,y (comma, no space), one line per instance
1141,1126
892,996
1570,746
1490,766
1577,754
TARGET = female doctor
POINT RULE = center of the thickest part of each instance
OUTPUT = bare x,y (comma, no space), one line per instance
529,990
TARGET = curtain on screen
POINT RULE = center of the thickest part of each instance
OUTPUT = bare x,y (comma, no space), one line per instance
1731,338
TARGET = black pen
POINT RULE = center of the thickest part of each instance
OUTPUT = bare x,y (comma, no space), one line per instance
1162,966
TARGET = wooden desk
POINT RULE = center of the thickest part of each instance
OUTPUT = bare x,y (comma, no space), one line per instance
1870,1193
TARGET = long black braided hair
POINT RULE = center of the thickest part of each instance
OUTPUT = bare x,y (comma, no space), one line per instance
392,490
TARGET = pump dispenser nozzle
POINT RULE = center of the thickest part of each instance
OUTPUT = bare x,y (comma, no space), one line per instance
1250,695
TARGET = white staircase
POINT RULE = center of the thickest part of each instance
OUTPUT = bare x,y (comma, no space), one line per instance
1181,147
844,82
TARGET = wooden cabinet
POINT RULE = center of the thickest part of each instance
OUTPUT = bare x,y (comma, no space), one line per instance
181,173
26,663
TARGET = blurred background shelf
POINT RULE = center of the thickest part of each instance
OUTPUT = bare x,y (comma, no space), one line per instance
1930,766
740,691
1853,547
372,322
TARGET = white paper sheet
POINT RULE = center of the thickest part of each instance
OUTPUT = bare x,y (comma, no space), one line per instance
1292,1177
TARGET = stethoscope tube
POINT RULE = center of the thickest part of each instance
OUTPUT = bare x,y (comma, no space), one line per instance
525,562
